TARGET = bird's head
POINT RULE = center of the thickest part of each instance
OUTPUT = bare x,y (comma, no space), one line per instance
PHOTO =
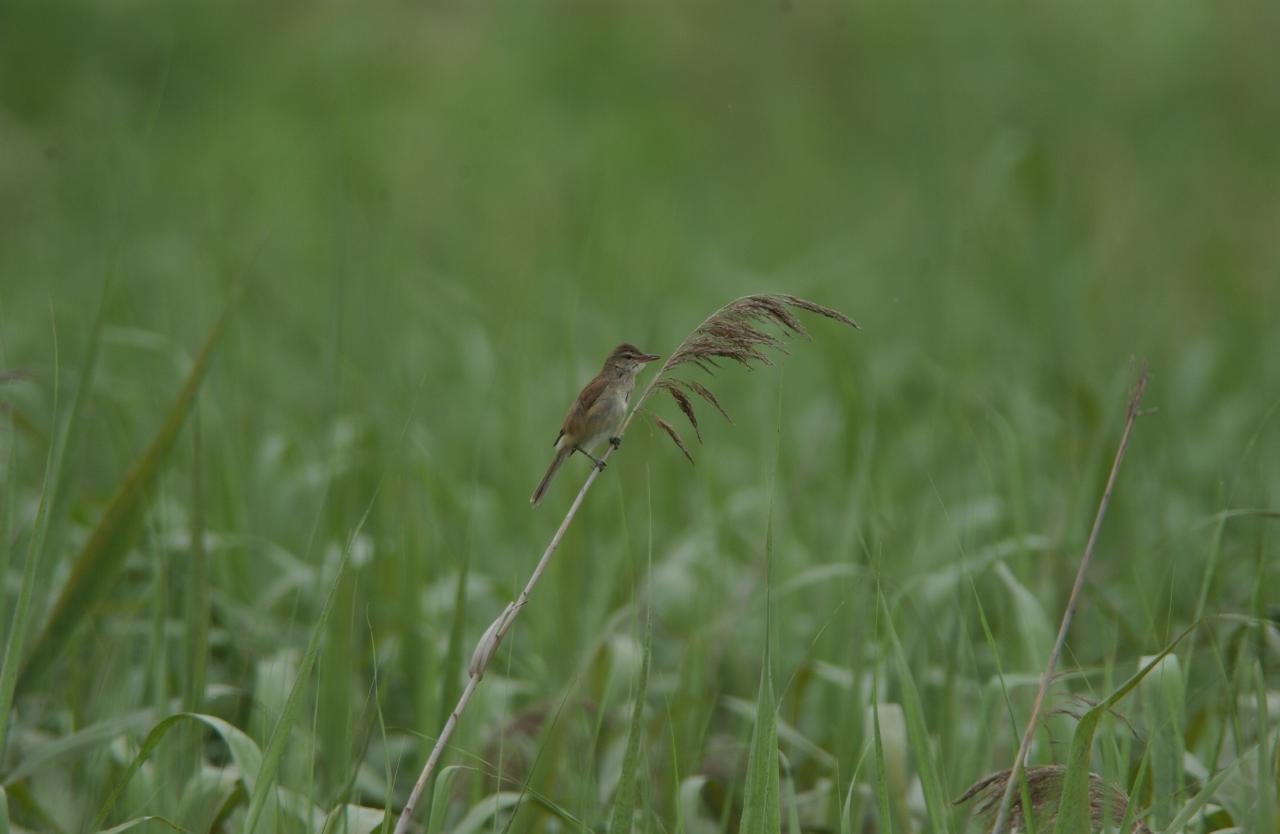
627,358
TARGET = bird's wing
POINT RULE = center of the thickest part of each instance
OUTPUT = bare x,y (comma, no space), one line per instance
583,403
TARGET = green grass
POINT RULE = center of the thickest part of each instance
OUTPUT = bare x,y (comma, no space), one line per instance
443,217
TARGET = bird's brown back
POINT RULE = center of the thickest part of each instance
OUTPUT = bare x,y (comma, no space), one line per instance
574,420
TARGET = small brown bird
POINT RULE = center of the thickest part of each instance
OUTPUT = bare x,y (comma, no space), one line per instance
598,411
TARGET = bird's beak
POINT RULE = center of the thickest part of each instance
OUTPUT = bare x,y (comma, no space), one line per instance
648,357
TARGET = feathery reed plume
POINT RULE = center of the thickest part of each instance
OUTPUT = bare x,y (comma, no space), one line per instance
673,434
683,403
732,332
1107,803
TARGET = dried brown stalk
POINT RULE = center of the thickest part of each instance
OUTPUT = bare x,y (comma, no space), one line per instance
732,332
1135,398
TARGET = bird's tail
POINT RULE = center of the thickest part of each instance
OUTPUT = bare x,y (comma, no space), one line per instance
561,455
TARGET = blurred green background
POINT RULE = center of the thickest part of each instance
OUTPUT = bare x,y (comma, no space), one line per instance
445,214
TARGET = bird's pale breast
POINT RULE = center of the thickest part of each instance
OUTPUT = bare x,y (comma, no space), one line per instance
604,417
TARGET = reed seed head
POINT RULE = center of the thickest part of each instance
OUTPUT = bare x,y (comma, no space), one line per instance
742,331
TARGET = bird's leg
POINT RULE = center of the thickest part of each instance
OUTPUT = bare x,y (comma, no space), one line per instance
615,442
599,463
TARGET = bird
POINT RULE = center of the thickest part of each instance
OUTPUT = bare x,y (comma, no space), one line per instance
598,412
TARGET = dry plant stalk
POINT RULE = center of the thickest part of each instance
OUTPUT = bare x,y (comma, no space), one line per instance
1107,803
734,332
1135,398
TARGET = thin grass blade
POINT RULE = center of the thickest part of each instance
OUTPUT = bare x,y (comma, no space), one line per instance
761,812
440,797
6,505
196,607
1265,808
484,810
1192,807
293,702
918,734
881,784
457,630
134,823
624,802
244,753
793,802
97,565
353,819
21,621
61,751
1074,815
1163,707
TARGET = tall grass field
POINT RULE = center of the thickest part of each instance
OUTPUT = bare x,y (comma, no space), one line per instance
293,299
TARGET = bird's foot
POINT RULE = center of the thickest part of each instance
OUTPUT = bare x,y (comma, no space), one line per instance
599,463
615,442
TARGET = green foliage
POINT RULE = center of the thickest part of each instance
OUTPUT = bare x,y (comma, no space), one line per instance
55,463
244,753
761,808
440,798
1073,809
1163,706
94,571
918,733
445,216
760,794
141,821
624,801
196,601
1267,802
260,791
251,769
881,781
1197,802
